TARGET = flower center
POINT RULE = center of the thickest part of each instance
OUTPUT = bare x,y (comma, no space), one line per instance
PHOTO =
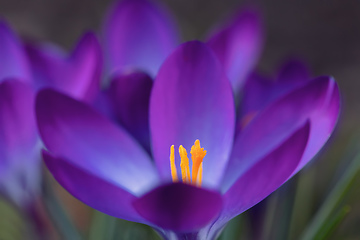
197,156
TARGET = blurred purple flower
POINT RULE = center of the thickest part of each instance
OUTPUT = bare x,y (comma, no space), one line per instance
22,73
104,166
77,74
139,35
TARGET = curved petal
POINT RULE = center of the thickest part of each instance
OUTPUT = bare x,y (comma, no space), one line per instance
179,207
85,68
138,34
323,122
238,46
92,190
14,63
130,94
77,75
72,130
265,176
318,101
192,99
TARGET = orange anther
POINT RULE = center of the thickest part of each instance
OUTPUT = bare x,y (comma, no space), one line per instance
197,156
172,165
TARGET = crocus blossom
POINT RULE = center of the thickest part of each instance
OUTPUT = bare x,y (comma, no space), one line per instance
22,73
191,108
137,37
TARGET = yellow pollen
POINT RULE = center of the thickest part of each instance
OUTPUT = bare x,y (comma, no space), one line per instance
197,156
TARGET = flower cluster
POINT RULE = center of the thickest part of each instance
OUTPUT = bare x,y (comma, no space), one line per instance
114,147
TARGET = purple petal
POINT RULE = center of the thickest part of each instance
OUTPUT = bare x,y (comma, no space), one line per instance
179,207
98,193
103,104
77,75
323,122
317,101
86,68
14,63
72,130
260,91
18,135
19,145
266,175
238,46
138,34
130,94
192,99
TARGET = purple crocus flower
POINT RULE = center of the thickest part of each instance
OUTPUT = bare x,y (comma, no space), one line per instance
191,100
20,77
137,37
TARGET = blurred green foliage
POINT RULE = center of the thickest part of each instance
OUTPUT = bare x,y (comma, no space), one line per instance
12,225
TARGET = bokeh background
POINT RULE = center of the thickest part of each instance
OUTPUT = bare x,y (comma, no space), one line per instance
324,33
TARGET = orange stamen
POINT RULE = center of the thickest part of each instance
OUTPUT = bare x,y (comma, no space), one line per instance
184,164
199,177
197,156
172,165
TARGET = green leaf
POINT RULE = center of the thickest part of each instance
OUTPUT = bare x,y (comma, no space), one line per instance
331,225
58,214
302,207
131,231
237,228
102,227
333,200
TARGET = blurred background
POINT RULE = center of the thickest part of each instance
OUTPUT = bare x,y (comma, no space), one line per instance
325,34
